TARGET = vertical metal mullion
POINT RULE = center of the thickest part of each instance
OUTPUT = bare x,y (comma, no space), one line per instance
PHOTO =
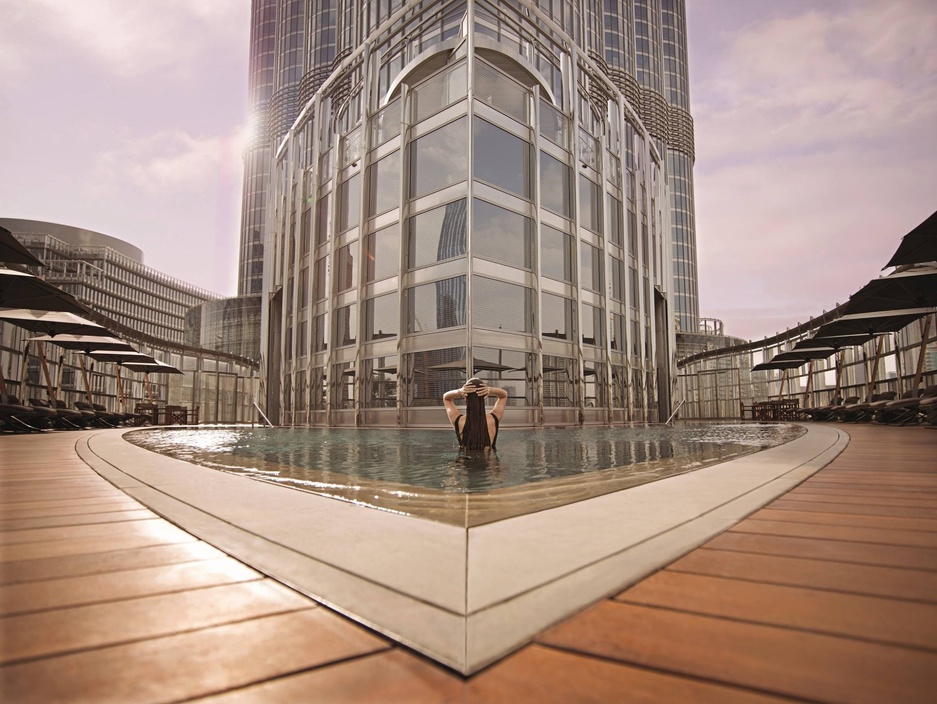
578,382
404,210
538,312
358,385
470,189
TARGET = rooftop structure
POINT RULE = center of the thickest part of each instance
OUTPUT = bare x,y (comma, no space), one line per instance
108,275
469,191
639,46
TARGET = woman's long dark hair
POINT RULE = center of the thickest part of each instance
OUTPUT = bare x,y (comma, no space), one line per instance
475,431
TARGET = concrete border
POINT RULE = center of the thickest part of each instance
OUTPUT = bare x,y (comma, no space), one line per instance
463,596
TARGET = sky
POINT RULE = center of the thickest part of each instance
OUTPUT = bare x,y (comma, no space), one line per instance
815,124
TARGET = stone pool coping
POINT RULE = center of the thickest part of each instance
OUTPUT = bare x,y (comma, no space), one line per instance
463,596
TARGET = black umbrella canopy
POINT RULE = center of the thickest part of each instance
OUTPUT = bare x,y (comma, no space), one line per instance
86,343
155,367
121,357
53,323
913,288
21,290
871,323
786,364
792,357
919,245
806,352
12,252
479,365
837,342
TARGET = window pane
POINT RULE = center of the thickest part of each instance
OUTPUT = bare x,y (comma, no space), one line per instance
322,266
436,306
439,159
500,92
383,255
590,205
555,185
380,382
556,254
436,235
614,223
343,385
349,203
501,235
322,220
381,317
346,273
591,267
319,339
618,278
501,306
556,317
425,382
346,325
385,184
558,381
593,326
501,159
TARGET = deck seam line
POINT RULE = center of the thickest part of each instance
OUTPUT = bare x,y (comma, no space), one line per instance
824,559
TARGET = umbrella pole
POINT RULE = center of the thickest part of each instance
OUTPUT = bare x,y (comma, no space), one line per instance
809,388
58,374
84,375
898,365
875,364
925,329
120,389
23,391
839,371
149,389
45,369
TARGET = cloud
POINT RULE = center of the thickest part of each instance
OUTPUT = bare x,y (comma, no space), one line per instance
820,78
815,153
134,38
166,162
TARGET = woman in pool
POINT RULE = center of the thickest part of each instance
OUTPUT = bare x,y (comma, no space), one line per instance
477,429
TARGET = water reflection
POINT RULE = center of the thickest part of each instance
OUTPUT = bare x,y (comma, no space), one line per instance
324,457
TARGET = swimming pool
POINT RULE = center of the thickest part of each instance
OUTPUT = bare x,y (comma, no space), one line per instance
421,472
476,574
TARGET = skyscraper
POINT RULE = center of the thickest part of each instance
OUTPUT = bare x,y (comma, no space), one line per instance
556,136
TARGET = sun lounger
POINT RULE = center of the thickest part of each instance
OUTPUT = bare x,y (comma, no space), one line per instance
15,416
907,409
65,419
820,413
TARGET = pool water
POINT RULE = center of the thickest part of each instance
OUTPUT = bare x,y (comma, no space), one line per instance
317,458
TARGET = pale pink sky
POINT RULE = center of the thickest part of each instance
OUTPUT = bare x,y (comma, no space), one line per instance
816,138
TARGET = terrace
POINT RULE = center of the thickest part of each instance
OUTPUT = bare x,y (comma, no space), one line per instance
824,594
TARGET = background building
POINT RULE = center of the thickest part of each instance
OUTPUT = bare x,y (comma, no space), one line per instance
471,190
109,276
229,325
639,46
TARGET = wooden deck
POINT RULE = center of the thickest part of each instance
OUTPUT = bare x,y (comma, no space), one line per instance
829,594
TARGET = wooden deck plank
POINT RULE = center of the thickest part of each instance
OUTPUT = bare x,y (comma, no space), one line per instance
846,519
888,621
188,665
81,627
786,661
111,586
879,536
76,519
833,550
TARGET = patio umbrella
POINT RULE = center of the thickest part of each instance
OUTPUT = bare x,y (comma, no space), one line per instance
786,364
85,343
791,357
919,245
913,288
805,352
52,323
871,323
479,365
154,367
12,252
19,289
837,342
120,357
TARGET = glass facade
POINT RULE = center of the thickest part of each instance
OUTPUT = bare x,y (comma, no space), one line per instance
487,202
